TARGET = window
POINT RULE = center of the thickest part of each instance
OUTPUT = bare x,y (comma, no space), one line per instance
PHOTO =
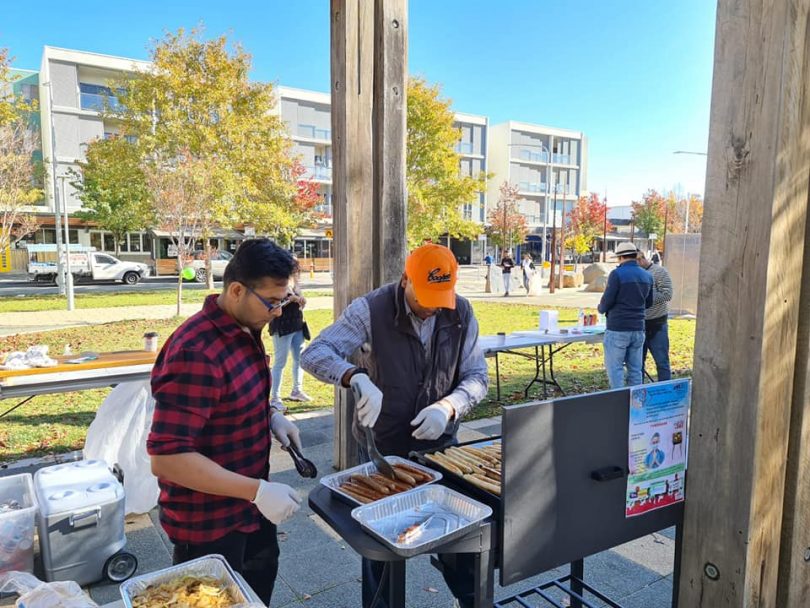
147,243
104,259
95,240
109,242
135,242
124,244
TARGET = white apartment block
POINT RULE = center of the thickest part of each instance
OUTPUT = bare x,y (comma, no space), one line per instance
73,85
546,164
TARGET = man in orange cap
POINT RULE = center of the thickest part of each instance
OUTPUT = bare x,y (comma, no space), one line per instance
417,370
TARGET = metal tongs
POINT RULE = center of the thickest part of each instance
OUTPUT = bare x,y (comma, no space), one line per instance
371,447
305,467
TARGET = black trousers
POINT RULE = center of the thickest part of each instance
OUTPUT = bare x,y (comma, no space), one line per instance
254,555
458,570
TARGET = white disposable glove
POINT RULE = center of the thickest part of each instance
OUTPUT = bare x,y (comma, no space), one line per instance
369,399
284,430
432,421
276,501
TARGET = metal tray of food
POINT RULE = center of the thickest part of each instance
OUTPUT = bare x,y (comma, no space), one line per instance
421,520
459,481
212,569
335,480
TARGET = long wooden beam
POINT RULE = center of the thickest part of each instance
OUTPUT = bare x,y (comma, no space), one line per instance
750,278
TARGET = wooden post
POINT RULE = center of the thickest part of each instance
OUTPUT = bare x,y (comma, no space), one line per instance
390,99
369,81
352,30
751,274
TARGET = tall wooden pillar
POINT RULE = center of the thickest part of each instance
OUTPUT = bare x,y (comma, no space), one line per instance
390,111
369,76
751,271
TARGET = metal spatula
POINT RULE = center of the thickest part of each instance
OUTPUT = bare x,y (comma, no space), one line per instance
371,447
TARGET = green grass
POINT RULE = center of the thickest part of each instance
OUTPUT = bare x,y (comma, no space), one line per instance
113,300
58,423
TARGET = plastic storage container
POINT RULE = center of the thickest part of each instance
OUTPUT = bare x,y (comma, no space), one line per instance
18,507
81,523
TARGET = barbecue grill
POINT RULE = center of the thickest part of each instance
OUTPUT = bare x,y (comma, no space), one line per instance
562,498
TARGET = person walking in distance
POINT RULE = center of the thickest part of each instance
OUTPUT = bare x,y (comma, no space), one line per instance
507,264
656,330
628,294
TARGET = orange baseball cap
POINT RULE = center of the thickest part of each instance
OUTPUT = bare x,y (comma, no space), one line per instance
433,270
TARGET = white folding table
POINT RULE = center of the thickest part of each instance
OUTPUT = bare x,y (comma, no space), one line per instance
545,345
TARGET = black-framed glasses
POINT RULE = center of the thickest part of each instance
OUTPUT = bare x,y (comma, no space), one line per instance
270,306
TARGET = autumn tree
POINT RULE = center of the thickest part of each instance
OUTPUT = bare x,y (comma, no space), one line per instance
112,186
20,173
648,215
198,99
181,188
507,225
436,189
586,222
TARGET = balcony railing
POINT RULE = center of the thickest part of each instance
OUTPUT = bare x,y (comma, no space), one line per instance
319,172
532,186
95,101
562,159
313,132
464,147
532,156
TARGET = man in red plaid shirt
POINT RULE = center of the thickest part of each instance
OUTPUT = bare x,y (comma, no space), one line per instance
210,438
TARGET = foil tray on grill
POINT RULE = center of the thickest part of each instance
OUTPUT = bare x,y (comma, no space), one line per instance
213,566
436,513
334,480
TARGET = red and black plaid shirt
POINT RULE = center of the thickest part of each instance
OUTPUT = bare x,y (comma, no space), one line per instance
211,385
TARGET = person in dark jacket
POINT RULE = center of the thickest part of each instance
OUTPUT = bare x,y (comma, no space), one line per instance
288,336
507,264
628,294
419,370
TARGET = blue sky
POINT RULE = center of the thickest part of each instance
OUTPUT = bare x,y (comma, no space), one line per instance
633,75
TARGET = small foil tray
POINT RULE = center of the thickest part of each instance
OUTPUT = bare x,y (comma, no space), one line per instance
334,480
213,566
443,514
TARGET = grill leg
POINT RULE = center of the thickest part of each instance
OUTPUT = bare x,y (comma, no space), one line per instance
577,575
396,584
484,579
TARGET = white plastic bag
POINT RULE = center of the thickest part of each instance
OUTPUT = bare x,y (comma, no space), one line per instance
36,594
118,436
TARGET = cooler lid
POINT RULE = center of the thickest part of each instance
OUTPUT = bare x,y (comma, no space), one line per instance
75,486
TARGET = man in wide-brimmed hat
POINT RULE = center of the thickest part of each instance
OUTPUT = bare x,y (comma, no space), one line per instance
627,295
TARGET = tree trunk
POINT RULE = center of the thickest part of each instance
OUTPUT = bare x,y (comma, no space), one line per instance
179,280
209,274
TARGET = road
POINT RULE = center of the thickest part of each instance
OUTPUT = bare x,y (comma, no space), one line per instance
13,288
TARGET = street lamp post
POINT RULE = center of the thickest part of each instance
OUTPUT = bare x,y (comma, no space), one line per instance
60,276
68,273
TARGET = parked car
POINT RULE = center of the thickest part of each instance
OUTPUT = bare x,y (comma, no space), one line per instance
86,264
219,260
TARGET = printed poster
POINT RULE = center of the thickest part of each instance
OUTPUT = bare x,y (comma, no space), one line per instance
657,445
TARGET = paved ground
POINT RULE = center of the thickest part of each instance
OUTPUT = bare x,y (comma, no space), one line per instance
318,570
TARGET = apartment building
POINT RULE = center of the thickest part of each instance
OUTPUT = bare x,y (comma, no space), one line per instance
308,117
547,164
72,89
72,86
472,147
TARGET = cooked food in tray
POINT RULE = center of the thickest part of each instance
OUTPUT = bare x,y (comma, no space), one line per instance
480,465
186,592
368,488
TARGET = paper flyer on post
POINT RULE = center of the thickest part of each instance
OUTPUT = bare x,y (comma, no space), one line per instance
657,445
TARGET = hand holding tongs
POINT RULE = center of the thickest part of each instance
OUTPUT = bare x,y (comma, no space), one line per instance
304,466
